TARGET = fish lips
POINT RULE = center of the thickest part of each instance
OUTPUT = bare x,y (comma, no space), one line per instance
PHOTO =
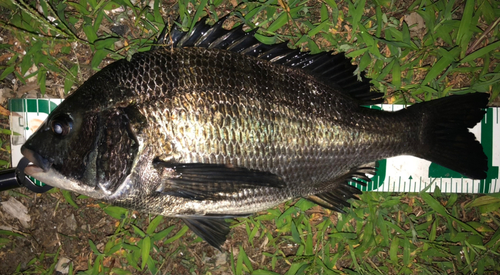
36,158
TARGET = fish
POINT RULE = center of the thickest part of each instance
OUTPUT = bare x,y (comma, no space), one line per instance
212,124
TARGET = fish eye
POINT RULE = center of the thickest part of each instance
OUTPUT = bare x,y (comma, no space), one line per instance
61,125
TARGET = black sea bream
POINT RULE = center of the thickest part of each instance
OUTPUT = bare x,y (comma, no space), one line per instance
214,125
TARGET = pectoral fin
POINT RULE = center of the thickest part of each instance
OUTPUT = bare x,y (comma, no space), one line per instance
199,181
212,230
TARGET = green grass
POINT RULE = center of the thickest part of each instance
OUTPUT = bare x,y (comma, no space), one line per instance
457,52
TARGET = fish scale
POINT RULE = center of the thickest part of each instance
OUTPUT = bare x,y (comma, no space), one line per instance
293,125
236,127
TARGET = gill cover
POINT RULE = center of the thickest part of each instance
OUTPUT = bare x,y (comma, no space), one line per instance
117,148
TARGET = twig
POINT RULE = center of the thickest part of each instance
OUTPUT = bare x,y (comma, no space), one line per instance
472,48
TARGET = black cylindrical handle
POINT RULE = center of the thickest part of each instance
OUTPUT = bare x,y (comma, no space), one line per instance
25,181
15,177
8,179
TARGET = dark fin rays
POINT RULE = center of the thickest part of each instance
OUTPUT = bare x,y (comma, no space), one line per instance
335,70
339,192
212,230
445,138
199,181
336,200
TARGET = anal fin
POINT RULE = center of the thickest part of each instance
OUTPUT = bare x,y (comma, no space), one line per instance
212,230
336,200
338,192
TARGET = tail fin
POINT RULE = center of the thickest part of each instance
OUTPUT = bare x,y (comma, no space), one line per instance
445,138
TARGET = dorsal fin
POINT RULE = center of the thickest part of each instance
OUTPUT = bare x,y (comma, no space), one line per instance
334,69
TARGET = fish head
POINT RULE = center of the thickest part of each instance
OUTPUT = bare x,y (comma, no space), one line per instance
86,151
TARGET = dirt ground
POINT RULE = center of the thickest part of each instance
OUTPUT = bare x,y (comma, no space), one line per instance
58,233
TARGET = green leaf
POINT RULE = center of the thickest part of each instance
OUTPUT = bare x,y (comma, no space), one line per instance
105,43
98,57
116,212
269,40
154,224
489,207
296,268
89,32
465,23
152,266
279,22
70,78
434,204
3,241
304,204
252,234
483,200
242,258
367,38
318,28
332,4
406,252
357,53
179,234
264,272
365,61
324,12
157,14
285,218
432,234
94,248
162,234
145,250
6,72
120,271
356,13
393,251
67,196
443,63
386,70
199,11
114,249
344,235
383,231
480,227
138,231
451,201
98,19
396,75
131,261
42,76
131,247
10,233
481,52
309,245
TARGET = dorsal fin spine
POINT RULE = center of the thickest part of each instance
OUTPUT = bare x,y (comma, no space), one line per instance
335,70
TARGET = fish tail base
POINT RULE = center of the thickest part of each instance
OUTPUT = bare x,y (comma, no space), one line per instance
444,135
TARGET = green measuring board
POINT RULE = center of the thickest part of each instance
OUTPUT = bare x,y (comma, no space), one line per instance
398,174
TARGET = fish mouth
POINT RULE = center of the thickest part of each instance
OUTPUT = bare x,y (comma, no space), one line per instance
39,162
